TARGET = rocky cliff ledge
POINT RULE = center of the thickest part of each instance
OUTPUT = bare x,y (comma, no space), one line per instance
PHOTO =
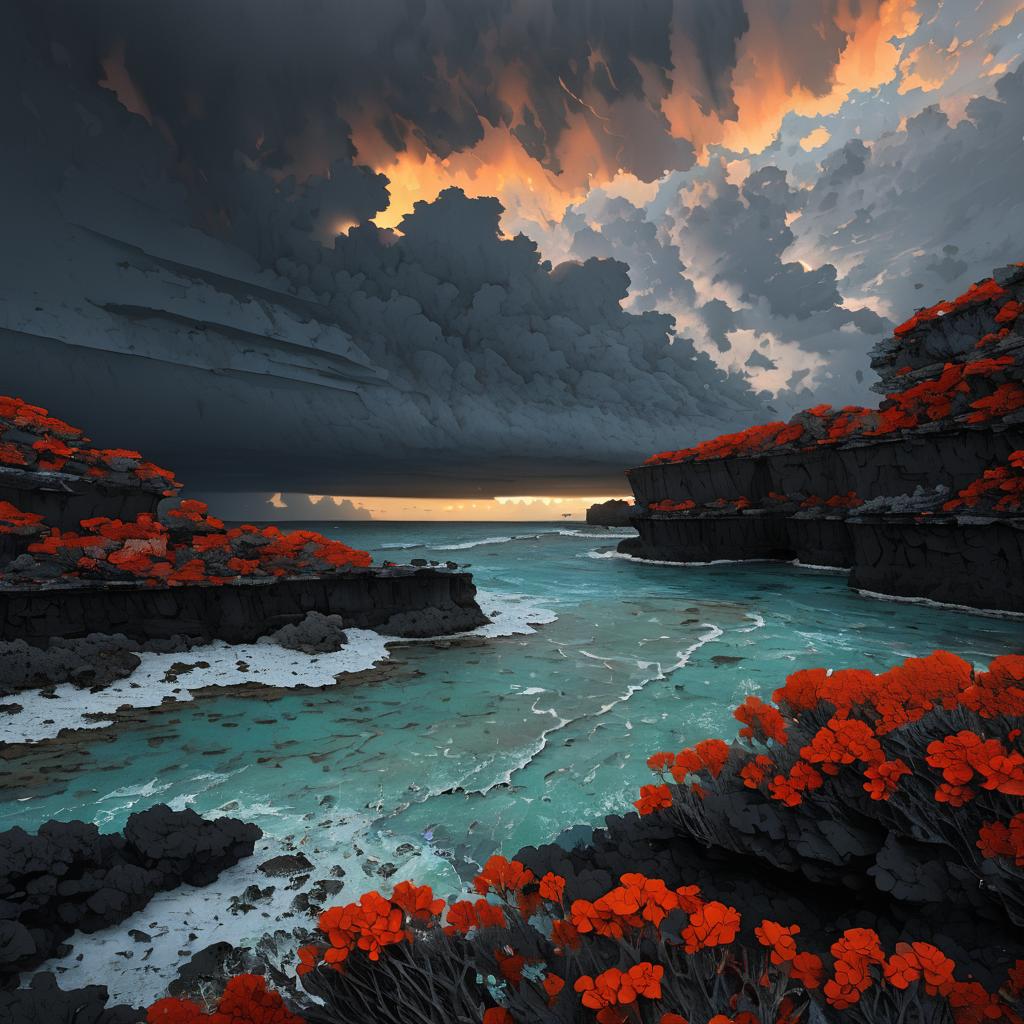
920,497
98,541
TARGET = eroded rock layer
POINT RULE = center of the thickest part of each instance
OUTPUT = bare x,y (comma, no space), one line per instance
921,497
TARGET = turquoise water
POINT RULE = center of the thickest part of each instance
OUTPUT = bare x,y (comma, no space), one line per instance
465,749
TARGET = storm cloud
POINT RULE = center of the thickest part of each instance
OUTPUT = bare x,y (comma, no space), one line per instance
245,350
445,247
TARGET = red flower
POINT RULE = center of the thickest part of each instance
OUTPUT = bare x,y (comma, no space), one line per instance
806,968
653,798
553,985
309,957
463,916
417,901
883,778
502,877
552,887
174,1011
779,939
920,960
564,934
498,1015
713,924
762,721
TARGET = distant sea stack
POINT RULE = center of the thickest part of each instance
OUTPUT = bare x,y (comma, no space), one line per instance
97,541
615,512
921,497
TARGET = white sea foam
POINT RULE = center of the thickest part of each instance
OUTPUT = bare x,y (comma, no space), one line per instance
484,541
511,614
43,718
996,613
622,532
147,687
656,561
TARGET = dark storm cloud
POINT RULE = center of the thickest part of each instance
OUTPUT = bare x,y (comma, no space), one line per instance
284,83
238,348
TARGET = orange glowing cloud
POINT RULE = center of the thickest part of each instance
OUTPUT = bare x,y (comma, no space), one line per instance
928,67
771,79
815,138
779,68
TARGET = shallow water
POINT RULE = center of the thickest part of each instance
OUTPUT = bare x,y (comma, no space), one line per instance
482,746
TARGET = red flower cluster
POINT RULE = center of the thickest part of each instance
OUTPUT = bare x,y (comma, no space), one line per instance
370,924
1000,489
59,447
970,392
245,1000
632,906
672,506
861,713
866,709
962,756
853,954
1003,839
1006,399
464,916
186,546
761,721
984,291
612,990
711,755
22,524
752,441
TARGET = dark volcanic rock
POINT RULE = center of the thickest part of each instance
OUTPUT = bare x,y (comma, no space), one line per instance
94,660
68,877
315,634
404,601
610,513
44,1002
286,864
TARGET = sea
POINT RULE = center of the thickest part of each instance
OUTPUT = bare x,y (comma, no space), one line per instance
530,730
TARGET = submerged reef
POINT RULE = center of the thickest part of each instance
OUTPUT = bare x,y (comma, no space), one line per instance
920,497
856,854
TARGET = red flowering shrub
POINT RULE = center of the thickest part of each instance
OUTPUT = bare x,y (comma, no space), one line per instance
983,291
245,1000
22,524
997,490
185,546
59,447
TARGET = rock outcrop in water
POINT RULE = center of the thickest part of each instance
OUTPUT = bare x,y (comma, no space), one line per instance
614,512
68,877
921,497
96,541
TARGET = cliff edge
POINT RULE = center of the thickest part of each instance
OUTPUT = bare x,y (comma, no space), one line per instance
921,497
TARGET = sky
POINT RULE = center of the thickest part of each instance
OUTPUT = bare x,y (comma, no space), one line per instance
546,238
